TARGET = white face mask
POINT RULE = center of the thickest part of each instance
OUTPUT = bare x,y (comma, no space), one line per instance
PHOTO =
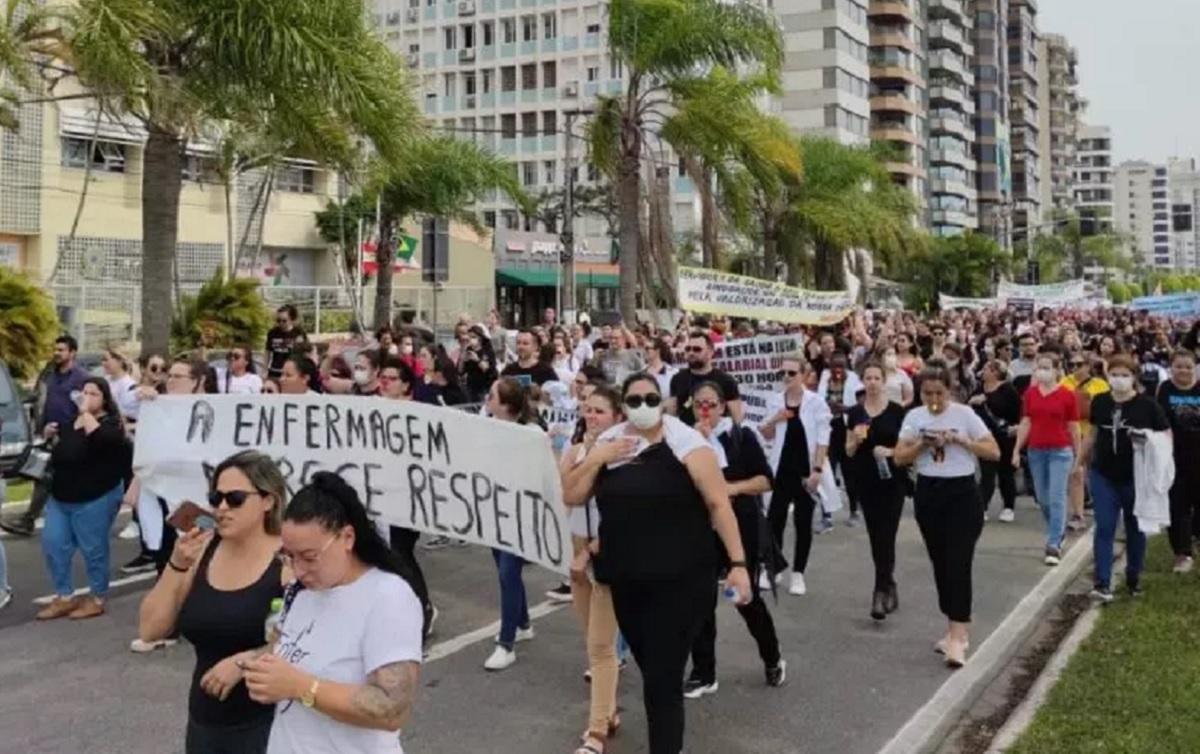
1121,383
407,349
644,417
361,376
393,350
890,361
1045,376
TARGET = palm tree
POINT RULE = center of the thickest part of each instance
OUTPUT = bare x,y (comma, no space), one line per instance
311,67
669,50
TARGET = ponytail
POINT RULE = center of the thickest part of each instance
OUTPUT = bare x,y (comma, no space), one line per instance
332,503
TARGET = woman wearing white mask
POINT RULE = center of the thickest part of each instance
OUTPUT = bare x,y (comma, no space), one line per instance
364,377
899,385
657,517
1050,427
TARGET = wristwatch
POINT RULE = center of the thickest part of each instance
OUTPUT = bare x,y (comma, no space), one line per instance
737,564
309,698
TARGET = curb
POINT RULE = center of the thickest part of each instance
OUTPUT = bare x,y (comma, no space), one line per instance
927,729
1021,717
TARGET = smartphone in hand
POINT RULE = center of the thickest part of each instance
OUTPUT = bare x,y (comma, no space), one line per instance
189,516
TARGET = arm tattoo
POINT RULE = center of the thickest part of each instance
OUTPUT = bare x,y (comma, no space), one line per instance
388,694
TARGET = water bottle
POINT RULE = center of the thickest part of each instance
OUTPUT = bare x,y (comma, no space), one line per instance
271,625
885,471
730,594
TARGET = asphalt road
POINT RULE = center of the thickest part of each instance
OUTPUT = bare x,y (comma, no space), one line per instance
75,687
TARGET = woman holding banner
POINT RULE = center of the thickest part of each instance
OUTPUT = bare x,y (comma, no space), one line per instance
509,401
593,599
657,516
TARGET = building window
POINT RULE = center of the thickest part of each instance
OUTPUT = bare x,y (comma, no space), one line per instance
449,38
508,126
469,83
836,39
508,78
549,26
489,33
549,75
509,217
593,28
468,36
593,173
593,72
489,219
548,172
487,80
528,173
200,169
107,156
529,124
529,76
549,122
296,179
616,69
528,28
508,30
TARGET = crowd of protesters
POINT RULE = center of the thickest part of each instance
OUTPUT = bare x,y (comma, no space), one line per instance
1078,405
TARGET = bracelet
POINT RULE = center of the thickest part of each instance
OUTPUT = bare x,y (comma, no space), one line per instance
171,562
737,564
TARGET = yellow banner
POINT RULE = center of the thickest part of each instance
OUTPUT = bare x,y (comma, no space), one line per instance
715,292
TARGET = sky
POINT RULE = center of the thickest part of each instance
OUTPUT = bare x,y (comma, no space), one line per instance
1137,69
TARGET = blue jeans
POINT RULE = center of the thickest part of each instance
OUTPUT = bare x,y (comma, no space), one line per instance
514,610
1110,502
1050,469
84,527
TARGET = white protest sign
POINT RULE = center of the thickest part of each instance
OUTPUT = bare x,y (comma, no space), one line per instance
1067,293
423,467
756,363
715,292
964,302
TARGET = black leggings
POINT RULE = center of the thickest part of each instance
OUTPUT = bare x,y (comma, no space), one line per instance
404,544
246,739
837,462
950,517
1001,471
882,505
660,620
802,516
1185,518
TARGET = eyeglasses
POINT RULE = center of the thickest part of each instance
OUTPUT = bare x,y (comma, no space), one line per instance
235,498
307,558
155,368
635,401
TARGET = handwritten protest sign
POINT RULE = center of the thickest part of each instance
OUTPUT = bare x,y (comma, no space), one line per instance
1170,305
756,364
963,302
715,292
427,468
1066,293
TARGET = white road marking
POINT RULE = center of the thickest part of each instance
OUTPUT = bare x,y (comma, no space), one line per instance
13,505
458,643
134,579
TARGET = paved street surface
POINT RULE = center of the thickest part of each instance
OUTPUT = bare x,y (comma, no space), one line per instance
75,687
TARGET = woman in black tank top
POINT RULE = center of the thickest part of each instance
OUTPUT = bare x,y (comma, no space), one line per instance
217,591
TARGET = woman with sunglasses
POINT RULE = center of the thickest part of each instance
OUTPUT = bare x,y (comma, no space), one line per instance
660,493
747,476
593,600
347,660
240,377
217,591
798,423
1087,381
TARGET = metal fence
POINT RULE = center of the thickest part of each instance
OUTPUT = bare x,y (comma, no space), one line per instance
100,313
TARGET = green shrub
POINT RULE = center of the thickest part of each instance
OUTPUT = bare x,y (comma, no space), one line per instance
222,314
28,323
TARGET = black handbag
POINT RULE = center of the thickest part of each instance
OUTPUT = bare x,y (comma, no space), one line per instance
600,573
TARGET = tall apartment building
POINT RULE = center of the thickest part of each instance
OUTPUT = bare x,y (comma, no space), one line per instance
952,180
898,93
1092,176
1023,114
826,76
1184,179
1142,209
993,150
1059,111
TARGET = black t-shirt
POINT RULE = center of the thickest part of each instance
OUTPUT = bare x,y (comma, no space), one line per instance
1112,454
794,463
1000,411
884,431
745,457
1182,408
538,374
685,381
281,345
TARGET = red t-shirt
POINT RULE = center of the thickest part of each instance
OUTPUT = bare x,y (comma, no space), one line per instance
1048,417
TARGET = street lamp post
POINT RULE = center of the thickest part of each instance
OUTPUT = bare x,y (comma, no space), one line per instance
566,254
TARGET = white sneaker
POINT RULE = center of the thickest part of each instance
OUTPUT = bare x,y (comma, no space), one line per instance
525,634
5,598
764,581
1007,515
1182,565
131,531
798,587
145,647
501,659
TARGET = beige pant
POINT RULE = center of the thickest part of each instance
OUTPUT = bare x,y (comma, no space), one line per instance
593,604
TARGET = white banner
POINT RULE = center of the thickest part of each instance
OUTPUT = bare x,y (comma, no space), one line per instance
965,302
1066,293
715,292
755,363
423,467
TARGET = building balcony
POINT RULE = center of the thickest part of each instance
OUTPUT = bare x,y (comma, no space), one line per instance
508,98
894,132
684,185
895,103
529,47
951,186
529,96
955,126
905,168
591,41
953,94
951,217
529,144
949,61
549,45
570,43
945,32
896,73
890,36
956,157
941,8
890,9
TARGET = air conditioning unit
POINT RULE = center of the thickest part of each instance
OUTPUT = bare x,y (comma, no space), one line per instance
466,55
571,89
412,15
469,102
466,7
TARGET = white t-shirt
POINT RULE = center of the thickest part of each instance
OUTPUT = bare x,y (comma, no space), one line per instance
577,515
124,392
895,386
247,384
954,460
343,635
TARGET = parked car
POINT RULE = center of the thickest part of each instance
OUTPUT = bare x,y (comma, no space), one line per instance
16,430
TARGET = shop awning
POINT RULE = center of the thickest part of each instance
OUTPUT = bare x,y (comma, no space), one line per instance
549,279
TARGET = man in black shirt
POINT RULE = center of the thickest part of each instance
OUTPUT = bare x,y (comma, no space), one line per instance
700,369
528,368
283,339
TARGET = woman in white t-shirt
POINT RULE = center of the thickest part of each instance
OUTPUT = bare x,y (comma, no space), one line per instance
120,383
347,653
239,377
943,441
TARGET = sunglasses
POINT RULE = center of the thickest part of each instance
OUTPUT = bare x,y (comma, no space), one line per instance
635,401
235,498
155,368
